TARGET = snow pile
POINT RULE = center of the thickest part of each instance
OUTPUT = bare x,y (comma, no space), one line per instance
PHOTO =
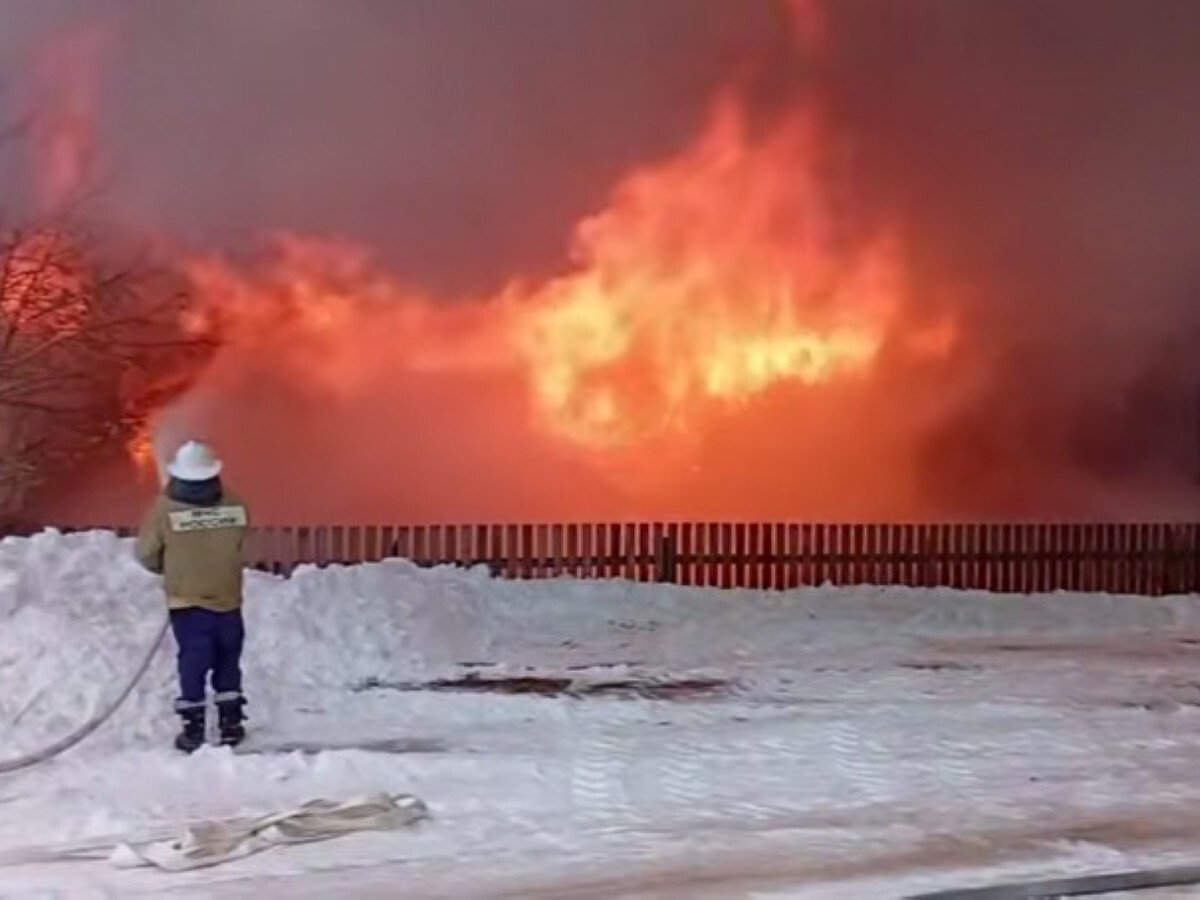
883,730
78,613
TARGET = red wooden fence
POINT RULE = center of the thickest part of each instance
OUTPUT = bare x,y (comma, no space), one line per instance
1135,558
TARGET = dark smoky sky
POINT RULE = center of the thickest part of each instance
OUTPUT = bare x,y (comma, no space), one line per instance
1043,155
1046,155
459,138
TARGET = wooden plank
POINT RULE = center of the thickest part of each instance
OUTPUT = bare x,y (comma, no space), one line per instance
387,541
699,544
740,569
792,562
926,544
644,551
1137,555
603,550
600,534
946,550
278,549
864,551
1093,542
587,551
320,545
524,551
1066,549
1077,549
879,547
556,550
1129,558
835,536
438,553
1037,555
681,534
972,551
716,555
968,551
806,555
420,544
987,556
817,571
1054,558
481,546
1159,537
572,563
1191,554
260,547
304,544
899,550
1015,550
1111,575
371,543
669,535
1041,539
540,556
752,556
998,550
886,543
509,550
850,551
291,550
772,541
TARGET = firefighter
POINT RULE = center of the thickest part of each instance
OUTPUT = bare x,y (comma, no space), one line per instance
193,535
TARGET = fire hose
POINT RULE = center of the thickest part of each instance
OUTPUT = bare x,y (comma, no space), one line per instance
66,743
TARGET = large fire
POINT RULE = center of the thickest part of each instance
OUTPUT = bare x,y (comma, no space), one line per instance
710,282
709,279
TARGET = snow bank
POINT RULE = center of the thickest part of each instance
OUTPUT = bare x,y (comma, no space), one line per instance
866,720
77,614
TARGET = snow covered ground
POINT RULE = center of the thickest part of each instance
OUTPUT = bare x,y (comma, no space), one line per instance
861,743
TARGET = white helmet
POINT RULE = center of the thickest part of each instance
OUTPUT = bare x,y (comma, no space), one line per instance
194,461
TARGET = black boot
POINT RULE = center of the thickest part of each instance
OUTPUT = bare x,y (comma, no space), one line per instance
191,738
229,718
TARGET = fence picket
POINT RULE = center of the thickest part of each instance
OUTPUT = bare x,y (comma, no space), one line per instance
1129,558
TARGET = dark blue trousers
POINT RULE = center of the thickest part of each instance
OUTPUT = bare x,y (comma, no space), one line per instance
209,643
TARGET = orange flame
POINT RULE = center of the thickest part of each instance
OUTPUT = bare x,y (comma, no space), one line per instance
708,280
140,448
711,278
